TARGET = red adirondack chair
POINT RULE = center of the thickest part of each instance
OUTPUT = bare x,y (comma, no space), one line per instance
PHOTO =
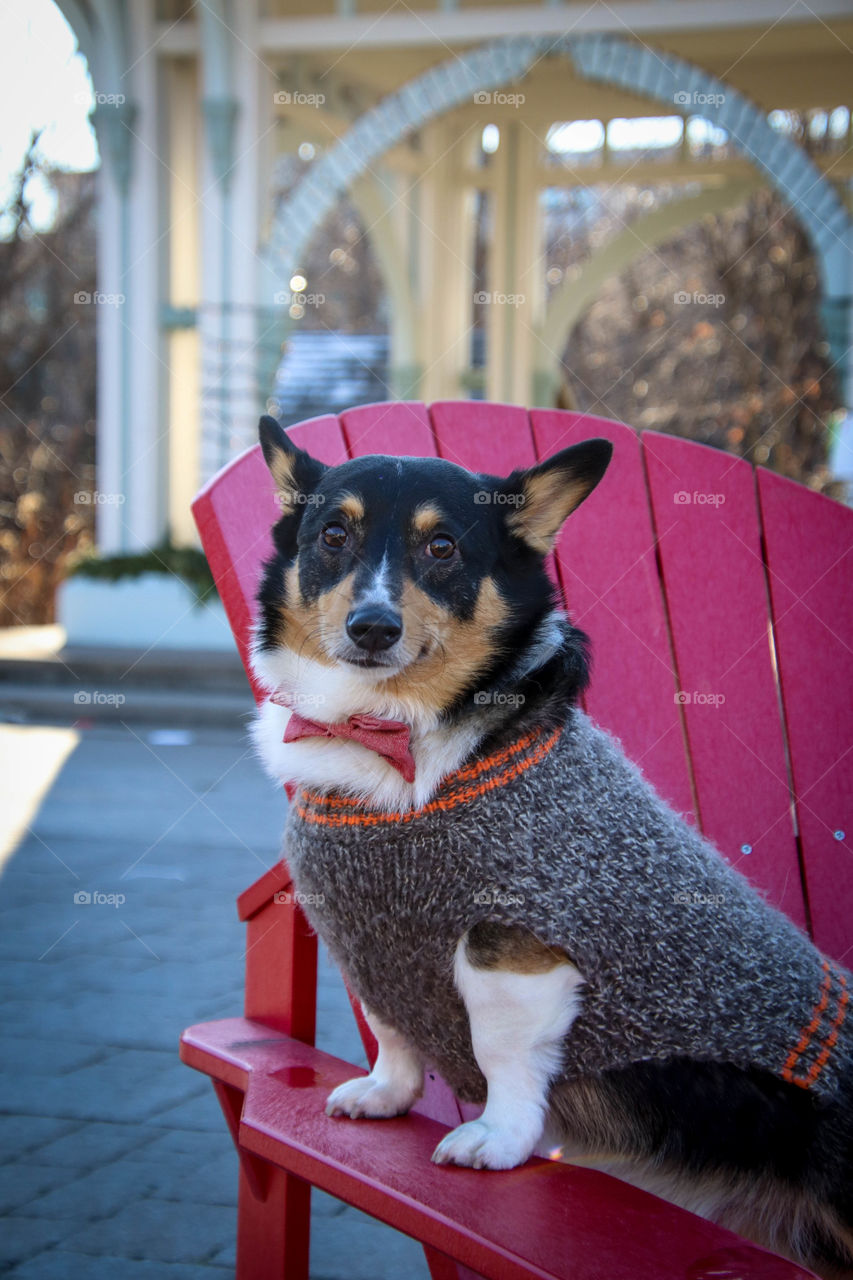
719,604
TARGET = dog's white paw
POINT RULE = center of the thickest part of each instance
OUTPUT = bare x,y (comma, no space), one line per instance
481,1145
367,1098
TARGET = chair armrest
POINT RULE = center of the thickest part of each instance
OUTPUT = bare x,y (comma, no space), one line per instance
544,1219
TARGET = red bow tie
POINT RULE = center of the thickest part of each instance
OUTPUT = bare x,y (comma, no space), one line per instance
388,738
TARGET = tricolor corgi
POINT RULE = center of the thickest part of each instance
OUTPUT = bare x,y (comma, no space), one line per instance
509,898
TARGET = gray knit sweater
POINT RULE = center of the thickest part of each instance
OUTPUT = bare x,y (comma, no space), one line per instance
560,833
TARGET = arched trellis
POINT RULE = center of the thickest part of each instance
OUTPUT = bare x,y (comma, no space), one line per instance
574,296
610,59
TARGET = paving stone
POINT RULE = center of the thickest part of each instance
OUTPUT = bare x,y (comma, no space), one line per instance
22,1134
90,1197
21,1183
22,1238
59,1264
158,1230
354,1246
50,1057
95,1144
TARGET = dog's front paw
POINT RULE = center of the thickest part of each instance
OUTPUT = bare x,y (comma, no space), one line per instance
368,1098
481,1145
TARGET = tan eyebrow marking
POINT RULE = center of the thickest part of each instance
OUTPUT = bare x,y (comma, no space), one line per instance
352,506
426,517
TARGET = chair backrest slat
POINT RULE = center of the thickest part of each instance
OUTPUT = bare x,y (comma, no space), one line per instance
809,551
709,539
495,438
606,556
389,427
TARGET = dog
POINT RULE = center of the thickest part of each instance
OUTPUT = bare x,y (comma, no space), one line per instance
510,900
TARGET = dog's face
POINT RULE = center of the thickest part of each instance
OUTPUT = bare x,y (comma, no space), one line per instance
413,572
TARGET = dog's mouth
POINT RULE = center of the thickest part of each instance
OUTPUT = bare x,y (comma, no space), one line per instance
382,661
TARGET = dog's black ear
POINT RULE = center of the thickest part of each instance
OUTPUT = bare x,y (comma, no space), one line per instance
549,492
295,472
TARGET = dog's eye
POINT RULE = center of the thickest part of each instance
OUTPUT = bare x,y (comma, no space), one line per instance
334,535
441,548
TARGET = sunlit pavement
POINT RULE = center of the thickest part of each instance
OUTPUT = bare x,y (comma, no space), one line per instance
124,851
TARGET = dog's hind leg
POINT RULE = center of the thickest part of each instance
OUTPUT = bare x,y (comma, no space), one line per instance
521,997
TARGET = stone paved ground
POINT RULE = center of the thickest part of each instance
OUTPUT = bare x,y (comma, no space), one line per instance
115,1158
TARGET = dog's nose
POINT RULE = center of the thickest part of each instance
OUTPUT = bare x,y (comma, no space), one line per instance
374,627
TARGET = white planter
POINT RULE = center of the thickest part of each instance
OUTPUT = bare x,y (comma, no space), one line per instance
154,610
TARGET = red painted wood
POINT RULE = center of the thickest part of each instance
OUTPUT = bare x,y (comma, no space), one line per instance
273,1234
392,427
257,895
494,438
710,547
809,541
322,438
606,557
281,968
543,1220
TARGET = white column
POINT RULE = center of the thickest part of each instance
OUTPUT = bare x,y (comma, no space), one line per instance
145,479
516,269
442,224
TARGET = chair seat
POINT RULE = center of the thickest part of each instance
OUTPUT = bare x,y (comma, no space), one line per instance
545,1219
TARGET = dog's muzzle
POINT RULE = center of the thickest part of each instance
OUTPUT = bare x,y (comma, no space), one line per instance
374,628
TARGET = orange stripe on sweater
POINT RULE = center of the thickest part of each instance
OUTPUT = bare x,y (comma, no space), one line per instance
809,1030
460,775
441,804
832,1039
